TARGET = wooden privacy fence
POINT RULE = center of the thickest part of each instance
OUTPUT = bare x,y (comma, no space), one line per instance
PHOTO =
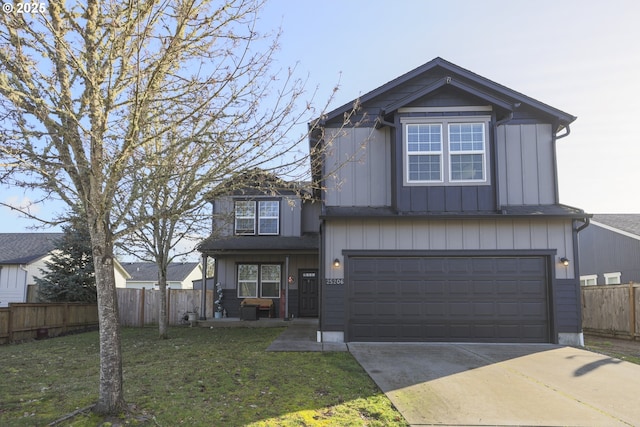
25,321
611,310
139,307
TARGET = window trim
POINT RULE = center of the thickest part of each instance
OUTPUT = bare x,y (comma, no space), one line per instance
588,278
615,275
256,217
260,217
446,153
259,281
461,152
236,218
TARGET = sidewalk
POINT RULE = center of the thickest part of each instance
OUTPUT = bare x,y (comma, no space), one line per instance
300,335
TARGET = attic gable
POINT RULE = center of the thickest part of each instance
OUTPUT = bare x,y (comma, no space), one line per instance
439,76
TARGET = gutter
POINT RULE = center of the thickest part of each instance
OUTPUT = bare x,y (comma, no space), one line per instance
566,133
587,221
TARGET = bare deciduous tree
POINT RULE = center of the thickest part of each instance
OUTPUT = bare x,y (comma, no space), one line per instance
110,104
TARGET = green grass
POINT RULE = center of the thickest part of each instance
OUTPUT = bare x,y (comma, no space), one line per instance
618,351
208,377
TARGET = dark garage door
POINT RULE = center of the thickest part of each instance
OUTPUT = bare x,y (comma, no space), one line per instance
473,299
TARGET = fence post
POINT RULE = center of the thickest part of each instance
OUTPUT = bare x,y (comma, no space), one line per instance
10,325
65,317
141,308
632,310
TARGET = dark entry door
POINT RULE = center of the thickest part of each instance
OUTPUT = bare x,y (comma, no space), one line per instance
308,293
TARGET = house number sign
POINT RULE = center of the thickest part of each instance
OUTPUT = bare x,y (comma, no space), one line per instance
334,281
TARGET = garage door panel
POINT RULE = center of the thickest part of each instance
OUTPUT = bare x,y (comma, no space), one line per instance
411,288
459,287
411,309
501,299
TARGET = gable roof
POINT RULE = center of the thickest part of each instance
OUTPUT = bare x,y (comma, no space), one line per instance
256,182
463,80
23,248
627,224
148,271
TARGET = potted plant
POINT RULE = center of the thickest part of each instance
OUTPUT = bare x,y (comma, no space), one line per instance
192,316
218,302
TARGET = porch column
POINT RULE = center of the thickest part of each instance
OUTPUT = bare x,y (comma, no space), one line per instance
203,295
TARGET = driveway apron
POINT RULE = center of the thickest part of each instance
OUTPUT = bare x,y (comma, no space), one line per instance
503,384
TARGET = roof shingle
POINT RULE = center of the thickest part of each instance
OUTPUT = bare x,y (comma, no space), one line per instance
23,248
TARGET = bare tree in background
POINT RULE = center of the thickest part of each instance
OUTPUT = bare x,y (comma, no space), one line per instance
97,96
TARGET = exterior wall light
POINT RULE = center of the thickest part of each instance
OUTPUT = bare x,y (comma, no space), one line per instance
564,261
336,263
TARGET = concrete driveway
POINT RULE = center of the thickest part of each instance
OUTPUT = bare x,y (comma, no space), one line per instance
503,384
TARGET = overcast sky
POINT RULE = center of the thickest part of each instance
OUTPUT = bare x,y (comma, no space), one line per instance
582,57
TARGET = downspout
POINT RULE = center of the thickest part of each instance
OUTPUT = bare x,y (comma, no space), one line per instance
380,121
321,276
203,298
576,273
566,133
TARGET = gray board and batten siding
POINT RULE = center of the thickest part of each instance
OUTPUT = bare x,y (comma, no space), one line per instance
290,214
605,251
373,177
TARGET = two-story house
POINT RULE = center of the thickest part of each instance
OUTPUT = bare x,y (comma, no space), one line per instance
265,244
449,226
443,224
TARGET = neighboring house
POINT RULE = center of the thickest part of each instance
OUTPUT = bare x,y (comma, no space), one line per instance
22,255
180,275
443,225
610,250
265,245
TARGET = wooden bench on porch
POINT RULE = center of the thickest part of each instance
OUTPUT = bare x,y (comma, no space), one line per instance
264,304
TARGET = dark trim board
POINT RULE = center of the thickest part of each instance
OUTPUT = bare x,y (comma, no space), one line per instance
450,296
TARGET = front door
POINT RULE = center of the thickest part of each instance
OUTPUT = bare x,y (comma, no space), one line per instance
308,293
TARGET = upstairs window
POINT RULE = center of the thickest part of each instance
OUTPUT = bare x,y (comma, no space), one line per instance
269,217
612,278
245,217
424,152
262,216
451,151
590,280
466,152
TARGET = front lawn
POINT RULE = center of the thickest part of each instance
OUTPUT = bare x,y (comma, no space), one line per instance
198,377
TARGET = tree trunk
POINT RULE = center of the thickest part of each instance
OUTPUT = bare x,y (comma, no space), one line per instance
111,396
163,320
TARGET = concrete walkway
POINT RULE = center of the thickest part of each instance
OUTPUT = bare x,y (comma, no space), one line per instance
300,335
503,384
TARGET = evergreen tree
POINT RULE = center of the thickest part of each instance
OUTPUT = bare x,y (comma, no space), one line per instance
69,275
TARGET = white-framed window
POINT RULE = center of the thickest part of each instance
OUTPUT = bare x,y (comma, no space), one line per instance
424,152
445,151
259,280
269,217
247,280
270,280
262,216
466,152
590,280
245,217
612,278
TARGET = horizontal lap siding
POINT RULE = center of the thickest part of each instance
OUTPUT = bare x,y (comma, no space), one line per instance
419,234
